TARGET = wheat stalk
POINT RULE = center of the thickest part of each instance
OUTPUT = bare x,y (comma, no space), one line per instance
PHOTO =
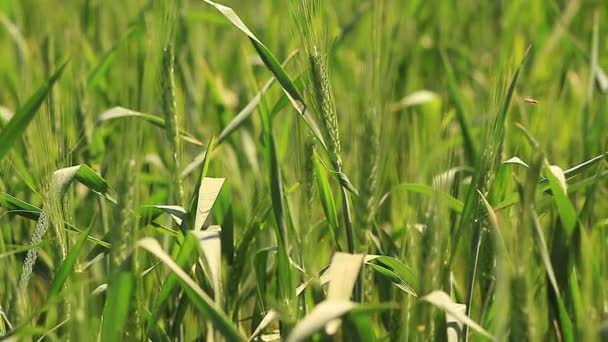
171,117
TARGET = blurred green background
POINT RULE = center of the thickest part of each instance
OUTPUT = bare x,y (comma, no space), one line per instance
414,135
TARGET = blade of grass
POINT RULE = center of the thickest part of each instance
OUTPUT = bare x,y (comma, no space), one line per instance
177,213
401,275
565,325
115,113
92,180
343,273
197,296
67,266
273,65
19,207
102,67
24,115
210,247
117,307
453,203
327,311
270,317
246,112
275,178
240,119
208,192
463,121
404,272
567,212
185,259
358,327
193,204
443,301
327,199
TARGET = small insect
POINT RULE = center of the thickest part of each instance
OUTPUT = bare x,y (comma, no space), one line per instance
531,100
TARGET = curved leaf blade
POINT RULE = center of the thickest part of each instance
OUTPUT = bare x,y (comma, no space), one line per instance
271,62
197,296
443,301
118,112
67,266
24,115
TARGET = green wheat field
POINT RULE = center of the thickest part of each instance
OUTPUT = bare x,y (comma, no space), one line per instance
303,170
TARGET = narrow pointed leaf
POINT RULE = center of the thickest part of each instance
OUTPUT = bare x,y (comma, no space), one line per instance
452,202
185,259
442,301
197,296
322,314
270,317
67,266
92,180
210,246
177,213
122,113
102,67
564,318
567,212
24,115
327,311
118,303
463,120
207,194
246,112
327,198
275,67
401,275
343,273
19,207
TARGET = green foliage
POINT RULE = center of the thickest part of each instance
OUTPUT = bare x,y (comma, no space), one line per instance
15,127
303,170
